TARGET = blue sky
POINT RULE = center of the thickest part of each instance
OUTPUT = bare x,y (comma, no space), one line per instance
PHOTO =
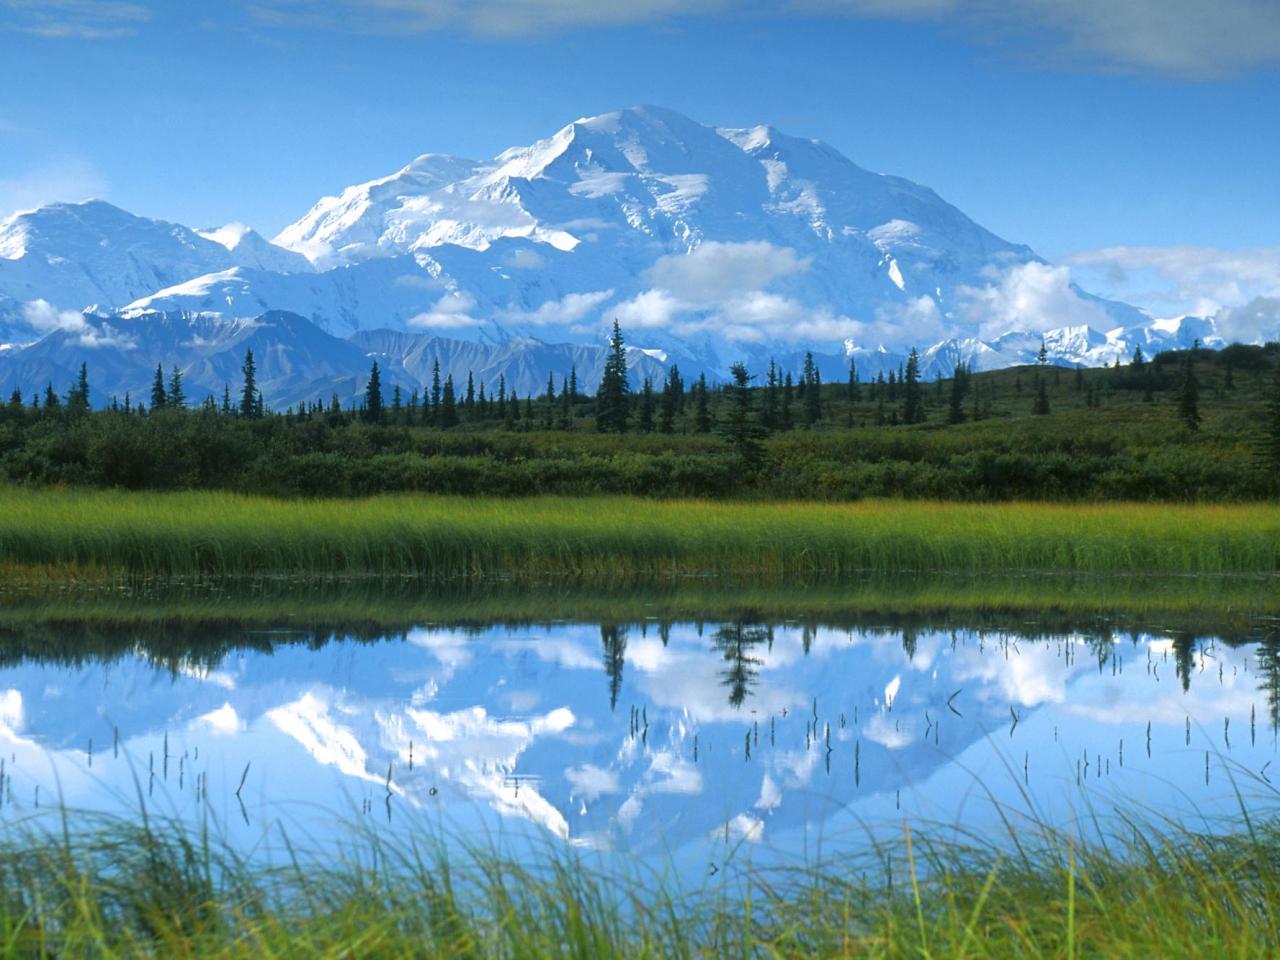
1143,125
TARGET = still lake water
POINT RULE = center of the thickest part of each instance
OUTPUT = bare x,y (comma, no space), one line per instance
682,743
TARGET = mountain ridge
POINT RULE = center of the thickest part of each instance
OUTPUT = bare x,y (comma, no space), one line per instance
708,244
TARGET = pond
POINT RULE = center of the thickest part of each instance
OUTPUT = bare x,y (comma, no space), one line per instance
687,743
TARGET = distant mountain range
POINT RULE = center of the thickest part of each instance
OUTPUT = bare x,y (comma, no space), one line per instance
708,245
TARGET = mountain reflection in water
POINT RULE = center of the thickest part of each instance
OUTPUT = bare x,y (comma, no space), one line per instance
646,737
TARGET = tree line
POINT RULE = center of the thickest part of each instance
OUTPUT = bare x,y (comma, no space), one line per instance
770,434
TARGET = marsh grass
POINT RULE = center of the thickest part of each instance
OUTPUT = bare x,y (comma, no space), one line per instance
113,888
611,540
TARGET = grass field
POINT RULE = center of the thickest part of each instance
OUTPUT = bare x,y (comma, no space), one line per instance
611,540
118,889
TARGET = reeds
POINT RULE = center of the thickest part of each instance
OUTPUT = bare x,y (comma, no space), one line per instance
150,889
613,539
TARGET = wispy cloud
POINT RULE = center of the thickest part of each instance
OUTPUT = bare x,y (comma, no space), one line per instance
493,17
69,179
1182,279
81,19
1192,38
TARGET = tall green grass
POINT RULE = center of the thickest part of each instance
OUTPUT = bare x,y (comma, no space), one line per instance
612,539
126,889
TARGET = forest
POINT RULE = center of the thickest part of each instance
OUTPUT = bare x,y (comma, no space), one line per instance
1193,425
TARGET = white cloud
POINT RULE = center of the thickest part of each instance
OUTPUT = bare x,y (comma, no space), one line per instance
44,318
717,271
1259,319
65,179
720,289
591,782
493,17
1029,296
651,310
1184,37
1183,279
451,312
567,310
80,19
526,259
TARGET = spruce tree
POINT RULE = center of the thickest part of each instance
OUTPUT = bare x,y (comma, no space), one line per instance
78,395
769,415
177,397
701,409
611,399
786,421
373,395
912,401
1043,356
470,401
646,406
667,407
959,384
249,395
811,381
1189,397
434,415
854,392
739,425
226,399
548,417
158,395
448,405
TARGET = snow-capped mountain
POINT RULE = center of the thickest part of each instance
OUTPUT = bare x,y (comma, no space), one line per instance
708,245
74,255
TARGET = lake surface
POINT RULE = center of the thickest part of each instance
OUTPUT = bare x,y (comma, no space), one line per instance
686,743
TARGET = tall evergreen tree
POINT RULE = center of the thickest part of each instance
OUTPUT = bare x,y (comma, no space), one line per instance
1043,356
177,397
667,407
448,405
912,399
702,409
959,385
811,381
549,410
470,401
739,425
611,399
436,392
772,386
566,405
159,397
647,405
78,396
249,395
788,391
854,392
373,395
